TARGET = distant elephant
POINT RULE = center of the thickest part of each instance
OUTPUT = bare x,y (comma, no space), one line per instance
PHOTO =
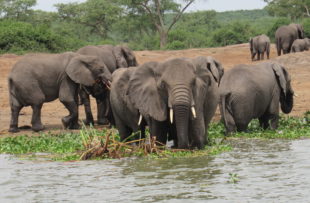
114,57
182,91
40,78
254,91
300,45
259,45
127,117
286,35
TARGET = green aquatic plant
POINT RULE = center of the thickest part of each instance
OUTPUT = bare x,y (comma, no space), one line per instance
233,178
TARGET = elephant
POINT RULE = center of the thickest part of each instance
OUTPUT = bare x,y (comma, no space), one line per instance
114,57
254,91
126,116
39,78
286,35
300,45
177,87
259,45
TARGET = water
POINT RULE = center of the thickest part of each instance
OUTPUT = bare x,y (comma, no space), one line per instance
267,171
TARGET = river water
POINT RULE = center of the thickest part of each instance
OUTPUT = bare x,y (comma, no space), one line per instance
255,171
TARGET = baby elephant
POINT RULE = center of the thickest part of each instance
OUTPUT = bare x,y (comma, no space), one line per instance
259,45
255,91
300,45
40,78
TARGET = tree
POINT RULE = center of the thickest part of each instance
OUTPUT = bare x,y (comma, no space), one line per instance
99,15
16,9
156,11
289,8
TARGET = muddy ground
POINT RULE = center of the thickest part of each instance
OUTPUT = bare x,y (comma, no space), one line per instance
298,66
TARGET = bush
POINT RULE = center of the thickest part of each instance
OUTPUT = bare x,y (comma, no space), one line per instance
175,45
19,37
306,25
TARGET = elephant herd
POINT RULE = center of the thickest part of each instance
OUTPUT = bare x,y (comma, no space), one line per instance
288,38
176,98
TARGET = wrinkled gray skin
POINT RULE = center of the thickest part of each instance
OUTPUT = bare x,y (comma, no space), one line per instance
126,116
254,91
114,57
259,45
286,35
40,78
177,84
300,45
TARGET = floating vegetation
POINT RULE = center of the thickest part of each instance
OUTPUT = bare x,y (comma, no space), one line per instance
91,143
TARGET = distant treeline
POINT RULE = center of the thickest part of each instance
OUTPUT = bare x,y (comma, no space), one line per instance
39,31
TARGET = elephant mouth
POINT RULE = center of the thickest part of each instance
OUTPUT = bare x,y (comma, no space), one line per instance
104,82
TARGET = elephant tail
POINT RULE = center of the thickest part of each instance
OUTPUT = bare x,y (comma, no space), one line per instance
226,111
278,45
13,92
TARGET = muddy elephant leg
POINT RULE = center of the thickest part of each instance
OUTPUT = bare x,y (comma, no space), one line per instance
36,117
263,53
87,107
14,118
253,56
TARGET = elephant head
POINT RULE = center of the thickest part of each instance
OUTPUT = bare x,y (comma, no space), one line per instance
287,93
124,57
299,28
172,87
88,71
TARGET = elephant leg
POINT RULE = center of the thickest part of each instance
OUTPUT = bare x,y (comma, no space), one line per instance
14,118
87,107
242,127
263,53
123,130
273,112
264,121
274,120
36,117
68,95
159,129
103,106
258,56
71,121
253,56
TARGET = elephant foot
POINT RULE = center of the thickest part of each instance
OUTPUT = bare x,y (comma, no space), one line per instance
13,129
88,122
37,128
103,121
74,126
65,121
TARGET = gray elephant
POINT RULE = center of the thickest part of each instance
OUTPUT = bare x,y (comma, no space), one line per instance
182,91
40,78
126,116
286,35
259,45
114,57
255,91
300,45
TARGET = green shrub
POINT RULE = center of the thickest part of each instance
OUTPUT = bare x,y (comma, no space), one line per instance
20,37
175,45
306,25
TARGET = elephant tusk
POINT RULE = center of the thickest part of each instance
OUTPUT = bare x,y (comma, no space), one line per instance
295,95
140,120
194,112
171,116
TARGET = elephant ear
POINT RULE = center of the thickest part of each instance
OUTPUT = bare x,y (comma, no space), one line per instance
78,69
143,92
282,77
121,61
123,81
215,68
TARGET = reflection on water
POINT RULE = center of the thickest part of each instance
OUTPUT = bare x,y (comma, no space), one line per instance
268,171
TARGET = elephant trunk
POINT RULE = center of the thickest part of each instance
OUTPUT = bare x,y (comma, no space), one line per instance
287,102
181,108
